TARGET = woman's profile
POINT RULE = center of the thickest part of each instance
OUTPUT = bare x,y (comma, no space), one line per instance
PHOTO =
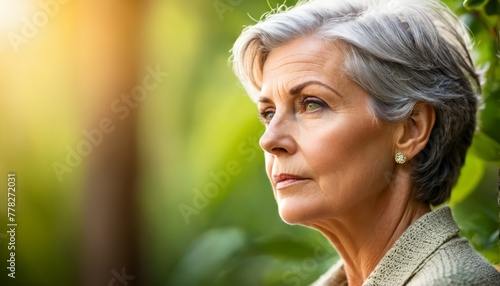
369,107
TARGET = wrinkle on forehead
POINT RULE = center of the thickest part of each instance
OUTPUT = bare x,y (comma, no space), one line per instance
303,58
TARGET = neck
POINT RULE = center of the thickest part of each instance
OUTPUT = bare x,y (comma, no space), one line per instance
364,234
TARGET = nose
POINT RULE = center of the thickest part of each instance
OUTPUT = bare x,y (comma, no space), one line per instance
278,138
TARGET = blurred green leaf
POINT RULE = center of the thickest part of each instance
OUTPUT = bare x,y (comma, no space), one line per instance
485,147
471,174
494,237
492,8
283,248
474,4
206,254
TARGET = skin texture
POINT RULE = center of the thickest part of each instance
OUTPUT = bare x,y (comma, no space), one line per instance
330,160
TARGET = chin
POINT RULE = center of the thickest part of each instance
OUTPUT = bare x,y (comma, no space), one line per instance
294,211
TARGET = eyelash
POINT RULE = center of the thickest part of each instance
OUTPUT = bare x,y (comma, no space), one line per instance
308,99
263,116
302,102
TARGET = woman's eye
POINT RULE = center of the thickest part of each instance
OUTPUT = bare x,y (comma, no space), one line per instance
266,116
311,104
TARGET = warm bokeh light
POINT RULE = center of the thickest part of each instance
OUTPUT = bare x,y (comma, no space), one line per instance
12,13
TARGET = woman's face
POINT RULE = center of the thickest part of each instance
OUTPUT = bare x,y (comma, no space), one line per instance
326,154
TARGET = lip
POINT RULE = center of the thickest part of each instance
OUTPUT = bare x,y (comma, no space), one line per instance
285,180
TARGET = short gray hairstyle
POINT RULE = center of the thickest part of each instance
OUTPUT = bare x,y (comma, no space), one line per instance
401,52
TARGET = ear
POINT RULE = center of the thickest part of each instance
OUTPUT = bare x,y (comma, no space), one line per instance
416,130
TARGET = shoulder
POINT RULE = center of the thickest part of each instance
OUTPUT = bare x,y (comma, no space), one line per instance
455,263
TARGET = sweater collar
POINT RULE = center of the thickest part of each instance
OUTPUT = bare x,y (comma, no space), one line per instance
414,246
408,253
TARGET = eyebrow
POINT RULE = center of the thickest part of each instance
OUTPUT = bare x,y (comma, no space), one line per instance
297,89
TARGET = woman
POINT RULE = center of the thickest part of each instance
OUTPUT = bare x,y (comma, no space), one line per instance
369,108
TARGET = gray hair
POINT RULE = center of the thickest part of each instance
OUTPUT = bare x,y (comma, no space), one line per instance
401,52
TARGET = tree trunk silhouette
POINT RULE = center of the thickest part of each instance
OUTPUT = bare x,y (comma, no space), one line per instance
109,67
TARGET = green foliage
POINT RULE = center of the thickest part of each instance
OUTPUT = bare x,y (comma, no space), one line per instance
474,4
473,198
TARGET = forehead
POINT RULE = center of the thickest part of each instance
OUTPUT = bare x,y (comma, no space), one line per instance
304,59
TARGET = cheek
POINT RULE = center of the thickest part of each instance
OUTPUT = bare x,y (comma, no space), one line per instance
269,160
327,146
346,151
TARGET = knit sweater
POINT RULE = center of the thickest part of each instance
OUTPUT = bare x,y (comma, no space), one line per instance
429,252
